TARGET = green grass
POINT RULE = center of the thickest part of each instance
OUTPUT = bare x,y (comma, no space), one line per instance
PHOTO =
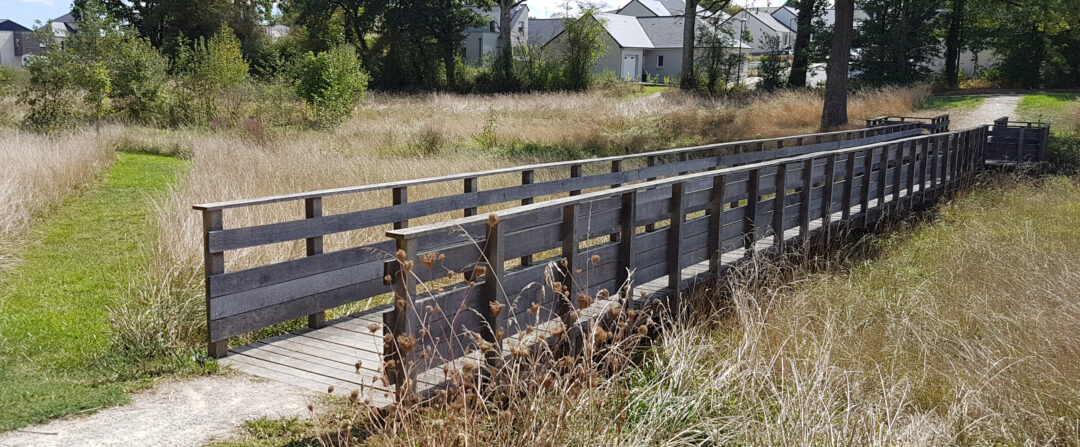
55,342
1060,109
952,103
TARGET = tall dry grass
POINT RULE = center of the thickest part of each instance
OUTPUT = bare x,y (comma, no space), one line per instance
956,331
40,171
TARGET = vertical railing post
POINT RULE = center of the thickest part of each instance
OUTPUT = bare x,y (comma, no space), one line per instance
564,305
401,197
628,228
868,170
849,186
778,206
400,371
575,172
214,263
472,185
913,165
935,162
650,161
925,152
616,166
716,223
674,247
827,196
753,186
804,199
527,178
1020,145
898,177
313,209
883,180
494,293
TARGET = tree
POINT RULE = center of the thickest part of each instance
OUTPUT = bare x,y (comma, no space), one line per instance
772,66
834,112
504,66
952,43
716,63
708,9
332,83
898,41
807,11
584,44
356,19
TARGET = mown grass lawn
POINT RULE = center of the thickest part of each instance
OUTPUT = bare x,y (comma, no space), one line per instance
55,356
958,103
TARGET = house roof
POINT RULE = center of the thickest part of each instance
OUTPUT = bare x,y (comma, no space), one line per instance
675,7
656,7
66,18
493,14
626,30
541,31
768,20
10,25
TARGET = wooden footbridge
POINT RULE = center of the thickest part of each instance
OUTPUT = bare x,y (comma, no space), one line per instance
636,229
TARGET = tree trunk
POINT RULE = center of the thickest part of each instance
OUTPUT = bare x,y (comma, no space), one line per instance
688,80
801,59
450,63
503,45
835,111
952,44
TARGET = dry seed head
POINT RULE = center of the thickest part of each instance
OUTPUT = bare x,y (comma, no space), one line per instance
388,279
604,294
578,271
493,219
450,274
564,262
330,389
406,343
373,327
442,256
534,308
615,312
499,333
584,301
643,294
479,271
357,365
400,304
310,407
595,259
429,259
643,330
407,267
354,395
632,314
484,345
496,308
401,255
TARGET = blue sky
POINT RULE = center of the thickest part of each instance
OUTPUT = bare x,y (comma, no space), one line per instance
25,12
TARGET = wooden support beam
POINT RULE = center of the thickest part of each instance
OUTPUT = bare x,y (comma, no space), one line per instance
849,186
400,369
565,305
401,197
627,217
575,172
674,247
472,184
214,263
716,223
494,293
827,195
868,167
778,206
804,199
752,199
313,209
527,178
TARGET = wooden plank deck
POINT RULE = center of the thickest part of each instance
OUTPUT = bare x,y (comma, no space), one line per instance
346,354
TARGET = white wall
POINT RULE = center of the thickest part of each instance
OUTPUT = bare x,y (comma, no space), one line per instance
7,49
970,63
758,30
478,45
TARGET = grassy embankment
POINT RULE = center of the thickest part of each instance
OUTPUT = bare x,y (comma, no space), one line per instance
55,333
105,288
955,327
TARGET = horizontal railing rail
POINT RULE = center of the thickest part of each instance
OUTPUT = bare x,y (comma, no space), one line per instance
453,291
935,124
246,300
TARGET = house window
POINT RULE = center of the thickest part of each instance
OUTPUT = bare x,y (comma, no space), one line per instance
660,61
521,27
491,26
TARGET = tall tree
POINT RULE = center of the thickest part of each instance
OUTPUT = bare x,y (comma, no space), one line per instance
807,10
952,43
504,45
163,21
834,112
898,42
708,9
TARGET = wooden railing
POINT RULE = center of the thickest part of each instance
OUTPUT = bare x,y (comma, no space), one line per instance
239,302
1017,141
446,304
935,124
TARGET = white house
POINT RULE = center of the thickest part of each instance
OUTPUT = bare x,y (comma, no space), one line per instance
644,40
482,41
17,43
760,24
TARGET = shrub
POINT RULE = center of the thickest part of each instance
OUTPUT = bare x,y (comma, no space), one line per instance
51,93
583,45
139,78
331,82
772,68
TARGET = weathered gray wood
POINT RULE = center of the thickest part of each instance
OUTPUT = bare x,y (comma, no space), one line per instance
400,197
472,185
214,263
675,245
804,198
779,205
527,179
628,234
494,293
314,246
716,222
753,200
397,321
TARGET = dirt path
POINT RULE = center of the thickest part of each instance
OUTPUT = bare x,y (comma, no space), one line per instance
992,108
174,413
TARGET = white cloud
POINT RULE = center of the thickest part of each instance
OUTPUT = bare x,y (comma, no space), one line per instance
41,2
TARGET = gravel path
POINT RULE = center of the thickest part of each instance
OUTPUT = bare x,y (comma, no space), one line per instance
174,413
992,108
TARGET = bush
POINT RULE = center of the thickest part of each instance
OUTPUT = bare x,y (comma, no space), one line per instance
584,44
139,78
51,93
331,82
773,68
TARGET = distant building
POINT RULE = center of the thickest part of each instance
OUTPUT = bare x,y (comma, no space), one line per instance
17,44
275,32
483,40
760,25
